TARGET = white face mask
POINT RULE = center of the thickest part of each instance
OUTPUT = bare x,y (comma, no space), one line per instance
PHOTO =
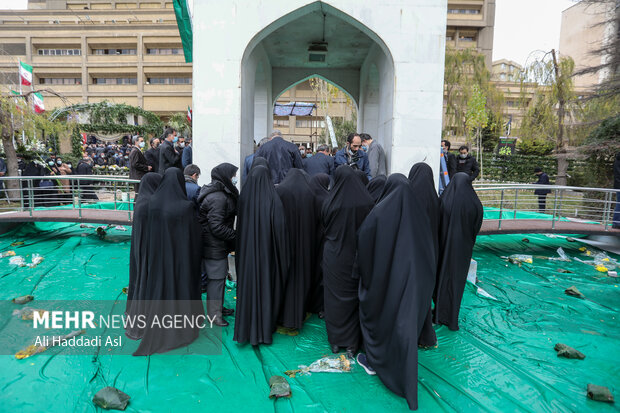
234,180
463,155
141,144
182,145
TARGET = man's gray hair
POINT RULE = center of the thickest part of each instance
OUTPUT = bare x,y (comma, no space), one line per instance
263,141
276,132
322,148
135,139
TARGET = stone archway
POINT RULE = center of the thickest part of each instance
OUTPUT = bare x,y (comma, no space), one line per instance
254,50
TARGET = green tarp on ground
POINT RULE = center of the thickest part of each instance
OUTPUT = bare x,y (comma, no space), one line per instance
502,359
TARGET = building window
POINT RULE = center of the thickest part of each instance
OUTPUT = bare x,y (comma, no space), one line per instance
60,80
169,80
114,81
308,123
164,51
59,52
114,51
463,11
280,122
502,76
467,38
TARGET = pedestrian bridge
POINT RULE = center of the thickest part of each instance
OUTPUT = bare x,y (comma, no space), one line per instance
509,209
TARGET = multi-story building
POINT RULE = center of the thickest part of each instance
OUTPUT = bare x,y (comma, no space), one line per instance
506,70
587,27
470,24
88,51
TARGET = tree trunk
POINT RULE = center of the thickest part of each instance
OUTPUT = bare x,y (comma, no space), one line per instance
560,146
11,154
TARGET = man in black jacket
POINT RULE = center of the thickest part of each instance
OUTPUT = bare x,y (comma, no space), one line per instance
450,158
320,163
281,155
168,155
138,165
152,155
218,208
467,164
543,179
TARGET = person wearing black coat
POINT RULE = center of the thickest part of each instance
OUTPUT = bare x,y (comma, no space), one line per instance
467,164
319,185
152,155
282,156
543,179
218,208
320,163
168,155
138,165
85,167
450,158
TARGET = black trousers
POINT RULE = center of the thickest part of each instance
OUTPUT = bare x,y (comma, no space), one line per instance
215,272
542,201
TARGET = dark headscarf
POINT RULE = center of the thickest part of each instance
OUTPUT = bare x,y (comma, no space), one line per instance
375,186
260,161
460,220
224,173
397,277
362,176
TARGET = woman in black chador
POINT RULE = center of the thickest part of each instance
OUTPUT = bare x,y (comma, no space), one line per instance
262,258
397,276
421,177
138,258
301,222
319,184
375,187
343,212
460,220
173,253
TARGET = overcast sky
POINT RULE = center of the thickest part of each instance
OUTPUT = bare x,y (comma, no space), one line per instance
521,26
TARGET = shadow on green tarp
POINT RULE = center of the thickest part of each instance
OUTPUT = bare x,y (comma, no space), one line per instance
502,359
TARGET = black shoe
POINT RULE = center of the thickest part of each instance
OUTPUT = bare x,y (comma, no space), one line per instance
335,349
227,311
363,361
220,322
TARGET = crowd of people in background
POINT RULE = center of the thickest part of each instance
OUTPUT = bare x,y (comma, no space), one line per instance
330,235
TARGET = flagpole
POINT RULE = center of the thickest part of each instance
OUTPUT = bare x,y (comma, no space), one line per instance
19,65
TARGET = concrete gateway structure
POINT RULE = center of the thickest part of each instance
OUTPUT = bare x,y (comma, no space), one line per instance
387,56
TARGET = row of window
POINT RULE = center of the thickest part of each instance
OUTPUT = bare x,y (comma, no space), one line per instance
116,81
463,11
78,52
114,51
59,52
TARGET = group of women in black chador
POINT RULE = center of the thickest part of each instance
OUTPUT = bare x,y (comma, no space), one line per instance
369,257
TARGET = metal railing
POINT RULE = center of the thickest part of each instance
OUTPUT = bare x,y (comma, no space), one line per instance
77,192
562,203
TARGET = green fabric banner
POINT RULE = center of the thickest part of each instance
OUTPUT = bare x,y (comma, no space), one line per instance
184,21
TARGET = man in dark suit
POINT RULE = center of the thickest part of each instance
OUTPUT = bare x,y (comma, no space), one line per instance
543,179
321,163
152,155
168,155
138,165
281,155
450,158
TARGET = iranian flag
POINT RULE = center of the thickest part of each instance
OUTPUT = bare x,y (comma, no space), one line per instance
189,115
25,73
38,102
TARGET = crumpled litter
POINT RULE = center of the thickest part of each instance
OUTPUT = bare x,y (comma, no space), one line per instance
601,261
568,352
125,290
7,254
279,387
120,228
111,398
324,365
562,270
600,393
520,259
23,299
613,274
17,243
21,262
86,226
574,292
33,349
562,256
472,277
101,233
27,313
287,331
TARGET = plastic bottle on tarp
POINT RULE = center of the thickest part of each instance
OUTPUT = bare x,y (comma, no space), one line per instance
473,270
